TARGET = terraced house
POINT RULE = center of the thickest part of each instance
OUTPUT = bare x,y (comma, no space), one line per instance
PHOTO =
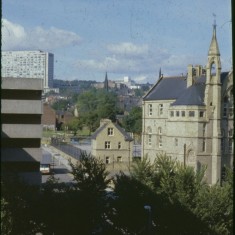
191,117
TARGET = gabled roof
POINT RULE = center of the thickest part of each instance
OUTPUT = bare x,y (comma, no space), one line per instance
167,89
193,95
102,127
176,88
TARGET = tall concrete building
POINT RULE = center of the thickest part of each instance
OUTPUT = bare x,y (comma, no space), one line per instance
190,118
21,110
29,64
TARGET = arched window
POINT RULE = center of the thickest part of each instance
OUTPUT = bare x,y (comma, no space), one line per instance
213,69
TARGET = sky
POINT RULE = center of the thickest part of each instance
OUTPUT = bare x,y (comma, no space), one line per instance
134,38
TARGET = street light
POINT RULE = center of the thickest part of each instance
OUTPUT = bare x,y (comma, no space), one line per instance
148,208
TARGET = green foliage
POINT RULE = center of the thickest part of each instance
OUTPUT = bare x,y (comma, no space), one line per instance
142,171
94,105
6,218
74,125
60,104
133,122
90,175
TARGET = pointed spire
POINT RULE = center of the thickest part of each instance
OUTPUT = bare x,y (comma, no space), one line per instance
214,48
106,82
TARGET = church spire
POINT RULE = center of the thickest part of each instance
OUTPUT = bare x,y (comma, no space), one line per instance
214,48
106,82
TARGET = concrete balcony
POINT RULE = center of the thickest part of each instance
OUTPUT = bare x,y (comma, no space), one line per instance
22,130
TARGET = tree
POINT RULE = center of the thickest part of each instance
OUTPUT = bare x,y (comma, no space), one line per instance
91,180
94,105
133,121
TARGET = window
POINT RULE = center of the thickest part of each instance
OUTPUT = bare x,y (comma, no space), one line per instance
160,109
149,140
183,113
177,113
191,113
119,145
203,145
230,133
230,145
222,144
160,141
110,131
230,110
107,160
201,114
119,159
150,109
159,130
107,145
225,106
172,113
176,142
204,129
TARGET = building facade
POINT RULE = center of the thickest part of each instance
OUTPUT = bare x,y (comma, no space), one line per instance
21,110
29,64
191,118
111,143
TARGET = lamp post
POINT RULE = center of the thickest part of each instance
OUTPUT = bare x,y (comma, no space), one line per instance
148,208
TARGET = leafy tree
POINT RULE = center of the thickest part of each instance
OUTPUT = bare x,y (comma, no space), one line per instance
61,104
91,180
96,104
75,124
133,121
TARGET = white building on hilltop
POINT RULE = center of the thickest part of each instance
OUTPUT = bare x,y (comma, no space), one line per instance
191,118
29,64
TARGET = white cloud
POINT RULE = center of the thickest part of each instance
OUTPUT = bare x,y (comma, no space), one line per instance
14,37
128,49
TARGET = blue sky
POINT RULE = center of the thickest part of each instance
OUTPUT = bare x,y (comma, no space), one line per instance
123,37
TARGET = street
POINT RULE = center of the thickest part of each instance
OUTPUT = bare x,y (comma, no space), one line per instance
60,167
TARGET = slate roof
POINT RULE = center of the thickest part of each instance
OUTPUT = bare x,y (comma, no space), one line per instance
176,88
101,128
193,95
167,89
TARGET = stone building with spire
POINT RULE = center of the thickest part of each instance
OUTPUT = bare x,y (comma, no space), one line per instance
190,118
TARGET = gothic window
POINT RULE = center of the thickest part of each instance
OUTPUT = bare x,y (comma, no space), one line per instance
177,113
183,113
172,113
213,69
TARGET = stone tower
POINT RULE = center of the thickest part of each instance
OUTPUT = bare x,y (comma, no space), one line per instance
213,103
